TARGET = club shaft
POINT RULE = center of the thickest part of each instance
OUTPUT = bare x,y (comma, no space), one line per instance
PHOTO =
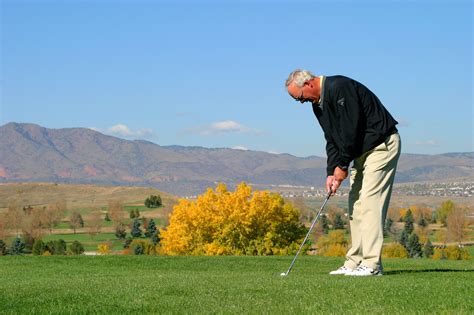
309,232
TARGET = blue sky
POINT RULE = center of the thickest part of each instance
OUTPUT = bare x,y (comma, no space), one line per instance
211,73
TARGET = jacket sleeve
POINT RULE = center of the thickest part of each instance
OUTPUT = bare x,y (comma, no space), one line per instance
349,112
333,155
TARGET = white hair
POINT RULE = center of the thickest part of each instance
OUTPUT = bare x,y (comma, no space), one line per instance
299,77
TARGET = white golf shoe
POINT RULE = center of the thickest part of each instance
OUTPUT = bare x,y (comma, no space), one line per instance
341,271
363,271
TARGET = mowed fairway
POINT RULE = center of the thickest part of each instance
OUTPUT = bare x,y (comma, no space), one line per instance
230,285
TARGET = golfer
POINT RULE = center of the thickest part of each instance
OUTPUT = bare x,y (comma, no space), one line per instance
358,129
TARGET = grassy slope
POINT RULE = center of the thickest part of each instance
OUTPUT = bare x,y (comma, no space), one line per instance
76,196
239,285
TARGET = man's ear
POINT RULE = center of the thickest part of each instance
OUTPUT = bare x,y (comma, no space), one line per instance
309,83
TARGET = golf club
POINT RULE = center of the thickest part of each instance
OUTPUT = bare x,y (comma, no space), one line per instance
284,274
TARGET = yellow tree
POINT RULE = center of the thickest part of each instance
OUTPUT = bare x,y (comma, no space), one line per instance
243,222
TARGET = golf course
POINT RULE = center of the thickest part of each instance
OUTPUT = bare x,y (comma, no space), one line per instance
229,285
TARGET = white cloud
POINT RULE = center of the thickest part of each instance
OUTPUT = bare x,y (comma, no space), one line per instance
240,148
226,126
123,131
428,143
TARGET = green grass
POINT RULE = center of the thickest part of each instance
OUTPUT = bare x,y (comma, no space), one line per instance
229,285
140,208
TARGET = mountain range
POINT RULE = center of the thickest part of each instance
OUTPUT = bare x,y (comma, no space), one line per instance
31,153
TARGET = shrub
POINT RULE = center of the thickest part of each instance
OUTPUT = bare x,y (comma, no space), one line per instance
334,244
56,247
3,248
127,242
17,247
103,249
428,249
76,248
232,223
394,250
336,250
452,252
142,247
38,247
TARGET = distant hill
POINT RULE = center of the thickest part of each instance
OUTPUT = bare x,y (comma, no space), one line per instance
31,153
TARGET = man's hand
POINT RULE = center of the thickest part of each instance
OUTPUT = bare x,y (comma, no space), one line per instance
333,182
340,174
329,183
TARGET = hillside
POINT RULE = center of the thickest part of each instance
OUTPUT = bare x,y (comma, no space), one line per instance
76,196
31,153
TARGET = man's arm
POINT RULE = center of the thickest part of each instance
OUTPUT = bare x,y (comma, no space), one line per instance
350,113
333,180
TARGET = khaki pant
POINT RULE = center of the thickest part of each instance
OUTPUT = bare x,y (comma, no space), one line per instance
371,181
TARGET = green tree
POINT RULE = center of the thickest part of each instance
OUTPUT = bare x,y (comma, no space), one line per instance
324,223
76,248
422,222
338,223
139,249
387,227
38,247
134,214
136,231
154,201
444,210
155,238
150,228
428,249
403,238
17,247
408,219
120,231
414,246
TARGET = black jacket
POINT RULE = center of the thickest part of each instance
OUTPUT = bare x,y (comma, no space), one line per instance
353,119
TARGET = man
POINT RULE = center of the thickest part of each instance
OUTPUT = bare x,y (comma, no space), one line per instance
357,129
